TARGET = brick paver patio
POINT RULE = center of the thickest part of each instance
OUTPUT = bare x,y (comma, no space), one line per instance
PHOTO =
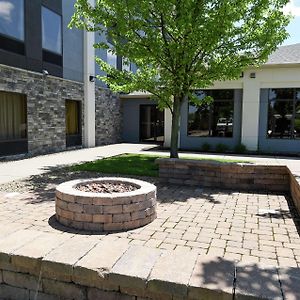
246,227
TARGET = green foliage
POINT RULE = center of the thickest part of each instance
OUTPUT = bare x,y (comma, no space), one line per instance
205,147
127,164
180,46
222,148
240,148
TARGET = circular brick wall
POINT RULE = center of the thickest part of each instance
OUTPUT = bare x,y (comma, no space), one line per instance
103,211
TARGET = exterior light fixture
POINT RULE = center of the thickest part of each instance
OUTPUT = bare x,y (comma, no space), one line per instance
92,78
45,73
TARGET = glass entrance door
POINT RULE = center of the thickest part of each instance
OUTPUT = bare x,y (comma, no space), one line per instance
151,124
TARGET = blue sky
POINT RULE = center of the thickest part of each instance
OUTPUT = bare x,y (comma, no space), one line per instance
294,26
294,31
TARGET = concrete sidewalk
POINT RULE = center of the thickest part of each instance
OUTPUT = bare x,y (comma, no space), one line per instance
16,170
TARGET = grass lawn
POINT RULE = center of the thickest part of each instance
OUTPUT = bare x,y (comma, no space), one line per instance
133,164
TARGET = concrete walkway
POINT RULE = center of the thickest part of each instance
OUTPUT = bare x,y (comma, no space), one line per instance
20,169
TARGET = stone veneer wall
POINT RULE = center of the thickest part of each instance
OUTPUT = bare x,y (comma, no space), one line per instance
46,109
108,117
45,106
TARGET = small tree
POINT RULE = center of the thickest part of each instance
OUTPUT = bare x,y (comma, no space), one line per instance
182,45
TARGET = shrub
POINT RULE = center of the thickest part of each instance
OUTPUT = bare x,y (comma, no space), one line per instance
240,148
221,148
205,147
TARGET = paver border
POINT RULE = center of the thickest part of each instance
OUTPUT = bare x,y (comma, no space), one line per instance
90,278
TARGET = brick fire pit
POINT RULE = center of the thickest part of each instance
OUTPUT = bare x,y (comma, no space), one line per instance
107,212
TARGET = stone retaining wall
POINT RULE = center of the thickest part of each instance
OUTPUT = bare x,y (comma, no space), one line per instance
22,286
236,176
140,273
224,175
295,190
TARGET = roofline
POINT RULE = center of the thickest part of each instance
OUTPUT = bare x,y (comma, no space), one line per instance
282,65
135,95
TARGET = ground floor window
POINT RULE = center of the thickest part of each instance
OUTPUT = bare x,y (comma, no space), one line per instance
284,113
13,116
214,120
73,123
13,124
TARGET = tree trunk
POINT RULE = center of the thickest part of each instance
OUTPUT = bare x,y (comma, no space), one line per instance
175,127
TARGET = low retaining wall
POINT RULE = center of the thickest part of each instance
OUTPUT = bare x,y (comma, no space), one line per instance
239,176
295,189
142,273
224,175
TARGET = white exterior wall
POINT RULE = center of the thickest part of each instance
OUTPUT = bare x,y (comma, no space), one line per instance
89,87
281,76
250,111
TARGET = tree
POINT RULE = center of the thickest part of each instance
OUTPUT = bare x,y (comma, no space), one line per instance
182,45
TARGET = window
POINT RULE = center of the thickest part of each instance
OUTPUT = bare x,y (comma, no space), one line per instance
126,65
73,123
284,114
112,58
13,116
12,18
51,31
214,120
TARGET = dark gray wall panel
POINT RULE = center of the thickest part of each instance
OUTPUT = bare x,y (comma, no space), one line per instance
33,35
101,53
54,5
131,119
72,45
33,57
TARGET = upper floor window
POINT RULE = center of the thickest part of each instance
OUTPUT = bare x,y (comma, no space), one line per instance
214,120
12,19
126,65
51,31
284,113
112,58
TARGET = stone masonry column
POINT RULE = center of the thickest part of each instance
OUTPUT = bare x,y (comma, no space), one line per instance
89,87
250,111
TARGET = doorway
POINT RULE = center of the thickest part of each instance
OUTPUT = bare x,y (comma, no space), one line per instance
73,123
151,124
